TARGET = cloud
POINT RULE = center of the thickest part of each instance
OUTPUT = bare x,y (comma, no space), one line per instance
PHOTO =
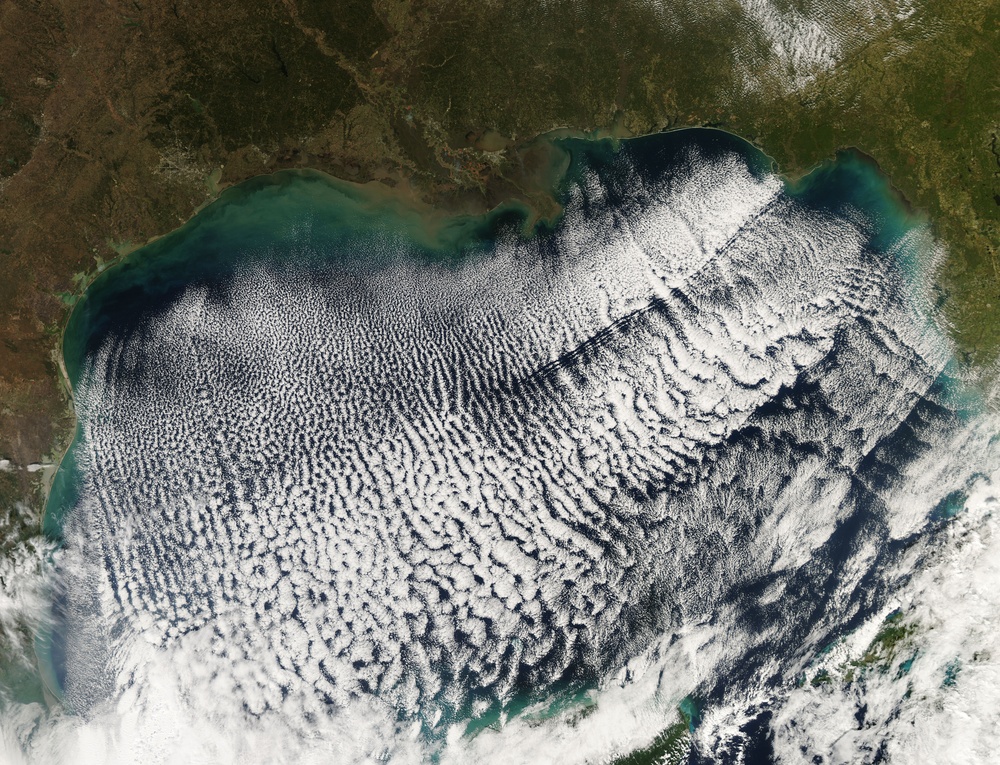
338,512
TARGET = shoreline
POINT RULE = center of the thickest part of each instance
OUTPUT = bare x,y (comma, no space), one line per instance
434,225
790,177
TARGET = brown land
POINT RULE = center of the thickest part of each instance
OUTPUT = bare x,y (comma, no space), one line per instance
119,119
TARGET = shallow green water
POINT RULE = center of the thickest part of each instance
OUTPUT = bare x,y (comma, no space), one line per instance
303,218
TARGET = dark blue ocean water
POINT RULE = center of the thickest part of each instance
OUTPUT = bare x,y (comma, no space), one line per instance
340,234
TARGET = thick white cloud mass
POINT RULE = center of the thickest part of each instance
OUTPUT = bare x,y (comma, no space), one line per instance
674,447
938,700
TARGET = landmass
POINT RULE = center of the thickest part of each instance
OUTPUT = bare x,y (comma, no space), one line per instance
119,120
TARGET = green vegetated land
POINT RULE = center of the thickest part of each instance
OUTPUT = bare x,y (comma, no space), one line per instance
923,99
891,649
919,94
119,119
668,748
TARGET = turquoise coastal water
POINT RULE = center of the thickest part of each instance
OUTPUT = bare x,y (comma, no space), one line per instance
300,216
304,219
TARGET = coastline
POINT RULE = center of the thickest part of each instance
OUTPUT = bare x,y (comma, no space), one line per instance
793,178
433,228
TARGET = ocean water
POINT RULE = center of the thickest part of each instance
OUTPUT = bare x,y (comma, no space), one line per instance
359,481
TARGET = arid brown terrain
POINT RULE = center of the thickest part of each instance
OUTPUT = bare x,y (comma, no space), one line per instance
119,119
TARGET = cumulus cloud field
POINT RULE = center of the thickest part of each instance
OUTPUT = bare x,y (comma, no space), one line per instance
517,508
